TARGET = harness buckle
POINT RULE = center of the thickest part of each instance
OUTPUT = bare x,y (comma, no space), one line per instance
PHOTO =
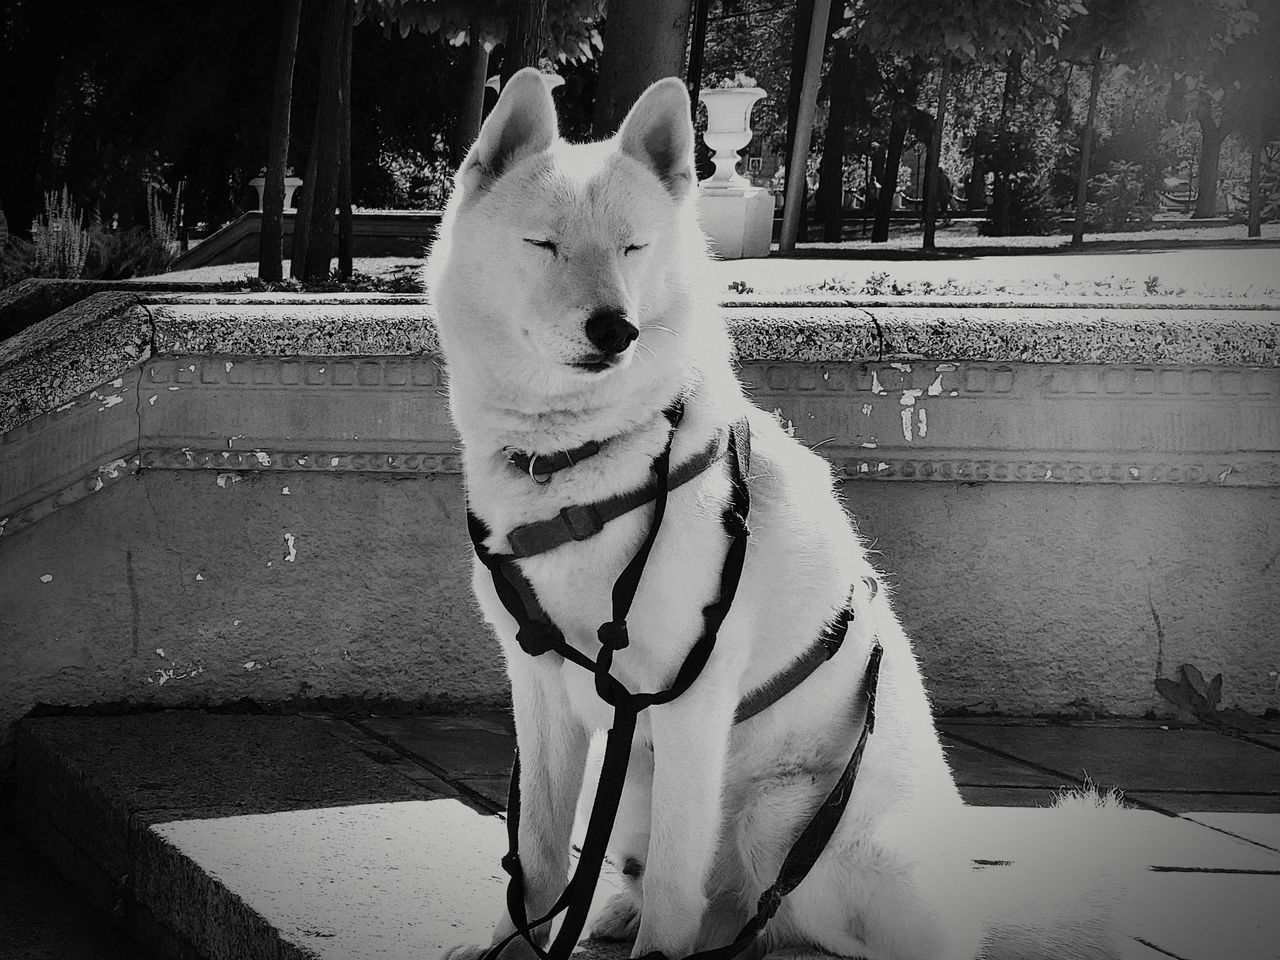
511,864
582,520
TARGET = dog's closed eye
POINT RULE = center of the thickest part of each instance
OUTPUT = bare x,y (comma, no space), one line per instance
632,248
548,245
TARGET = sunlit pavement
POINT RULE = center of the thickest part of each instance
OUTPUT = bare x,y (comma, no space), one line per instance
1232,270
269,836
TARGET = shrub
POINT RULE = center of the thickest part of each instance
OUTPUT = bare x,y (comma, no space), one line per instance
61,241
120,254
1031,208
1119,197
17,260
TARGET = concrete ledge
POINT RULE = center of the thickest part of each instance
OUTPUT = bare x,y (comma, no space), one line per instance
259,496
260,838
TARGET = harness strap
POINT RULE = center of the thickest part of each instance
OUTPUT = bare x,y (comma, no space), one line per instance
575,900
583,521
813,839
819,652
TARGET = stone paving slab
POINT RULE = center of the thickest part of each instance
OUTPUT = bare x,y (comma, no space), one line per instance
1198,916
1133,837
281,838
1259,828
1189,803
1136,759
975,766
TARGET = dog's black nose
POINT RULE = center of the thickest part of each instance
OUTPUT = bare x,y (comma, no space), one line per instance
610,331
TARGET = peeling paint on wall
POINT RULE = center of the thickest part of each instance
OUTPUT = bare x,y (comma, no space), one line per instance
225,479
284,491
935,388
161,677
290,548
47,578
262,457
922,422
906,425
876,388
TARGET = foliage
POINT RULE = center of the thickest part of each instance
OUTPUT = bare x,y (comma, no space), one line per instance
403,282
61,240
1032,210
1119,197
571,24
130,252
412,180
968,31
17,260
162,226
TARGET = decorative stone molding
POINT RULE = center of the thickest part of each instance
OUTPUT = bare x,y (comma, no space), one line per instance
310,461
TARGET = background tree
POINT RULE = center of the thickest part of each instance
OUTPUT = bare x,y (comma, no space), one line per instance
644,41
950,36
271,237
1250,81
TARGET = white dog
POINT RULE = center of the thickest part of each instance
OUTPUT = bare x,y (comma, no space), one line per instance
568,283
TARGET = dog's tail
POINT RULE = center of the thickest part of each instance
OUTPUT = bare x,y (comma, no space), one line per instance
1060,898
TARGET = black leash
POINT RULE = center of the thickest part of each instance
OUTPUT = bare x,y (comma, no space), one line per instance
537,635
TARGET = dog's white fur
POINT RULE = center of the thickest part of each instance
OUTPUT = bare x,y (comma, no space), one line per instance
711,808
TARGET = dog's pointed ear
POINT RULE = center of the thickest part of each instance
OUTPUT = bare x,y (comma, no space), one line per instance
522,122
659,133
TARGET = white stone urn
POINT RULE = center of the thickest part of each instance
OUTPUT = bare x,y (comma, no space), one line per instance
291,184
728,131
736,217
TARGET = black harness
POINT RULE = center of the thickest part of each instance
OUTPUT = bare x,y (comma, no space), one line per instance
537,634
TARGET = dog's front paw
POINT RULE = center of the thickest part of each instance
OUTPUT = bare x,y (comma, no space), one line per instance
464,951
619,919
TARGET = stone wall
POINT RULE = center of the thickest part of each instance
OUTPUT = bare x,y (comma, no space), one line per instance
204,499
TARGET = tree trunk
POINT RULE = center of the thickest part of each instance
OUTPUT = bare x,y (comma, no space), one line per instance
697,50
1008,103
1211,135
933,155
526,38
271,237
1086,149
313,226
831,173
1255,184
471,112
802,23
889,180
975,191
797,162
644,41
345,260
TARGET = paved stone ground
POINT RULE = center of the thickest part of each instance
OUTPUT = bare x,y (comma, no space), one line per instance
352,837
